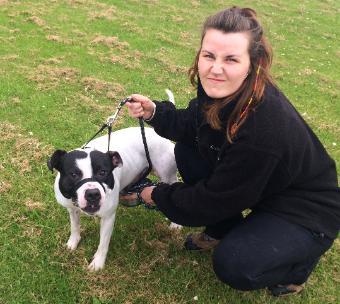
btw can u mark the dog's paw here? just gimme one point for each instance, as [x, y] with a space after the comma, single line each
[97, 263]
[73, 242]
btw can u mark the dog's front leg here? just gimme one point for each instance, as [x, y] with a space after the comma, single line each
[74, 239]
[106, 227]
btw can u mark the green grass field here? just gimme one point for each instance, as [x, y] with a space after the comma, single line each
[64, 66]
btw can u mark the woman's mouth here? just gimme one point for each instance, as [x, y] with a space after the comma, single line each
[216, 80]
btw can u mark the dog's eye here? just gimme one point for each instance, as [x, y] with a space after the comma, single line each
[102, 173]
[74, 175]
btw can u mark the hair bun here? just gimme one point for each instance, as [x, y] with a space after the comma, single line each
[248, 12]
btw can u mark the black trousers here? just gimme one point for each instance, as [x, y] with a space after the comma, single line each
[261, 250]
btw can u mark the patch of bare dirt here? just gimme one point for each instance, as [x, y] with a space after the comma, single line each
[54, 60]
[48, 77]
[307, 72]
[5, 186]
[57, 38]
[112, 42]
[75, 2]
[25, 149]
[15, 100]
[33, 205]
[31, 231]
[37, 20]
[195, 3]
[12, 101]
[107, 13]
[99, 86]
[9, 57]
[132, 27]
[126, 59]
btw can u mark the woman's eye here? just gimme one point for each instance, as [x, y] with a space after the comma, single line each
[208, 56]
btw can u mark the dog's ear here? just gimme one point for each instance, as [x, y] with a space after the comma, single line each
[54, 161]
[116, 159]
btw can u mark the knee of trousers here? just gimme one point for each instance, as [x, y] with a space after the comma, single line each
[231, 270]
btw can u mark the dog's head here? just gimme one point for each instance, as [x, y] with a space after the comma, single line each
[85, 176]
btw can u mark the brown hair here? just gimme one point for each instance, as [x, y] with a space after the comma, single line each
[239, 20]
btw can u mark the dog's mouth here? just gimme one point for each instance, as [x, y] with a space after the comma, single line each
[91, 207]
[88, 199]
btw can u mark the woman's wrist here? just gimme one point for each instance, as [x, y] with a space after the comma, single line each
[152, 113]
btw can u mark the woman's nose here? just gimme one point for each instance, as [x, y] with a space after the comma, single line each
[217, 67]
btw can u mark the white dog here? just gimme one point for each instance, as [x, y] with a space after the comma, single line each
[90, 179]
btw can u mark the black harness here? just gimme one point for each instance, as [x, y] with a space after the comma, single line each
[86, 180]
[73, 195]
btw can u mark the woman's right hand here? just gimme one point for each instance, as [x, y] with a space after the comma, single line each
[140, 106]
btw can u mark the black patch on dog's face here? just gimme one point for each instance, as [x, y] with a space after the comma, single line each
[102, 168]
[70, 174]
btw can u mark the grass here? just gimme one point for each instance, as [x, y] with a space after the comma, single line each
[64, 65]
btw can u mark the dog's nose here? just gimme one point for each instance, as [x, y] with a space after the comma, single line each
[92, 195]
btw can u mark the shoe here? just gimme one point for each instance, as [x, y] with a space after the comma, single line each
[285, 290]
[129, 199]
[200, 242]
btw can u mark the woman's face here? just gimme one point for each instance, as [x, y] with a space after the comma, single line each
[223, 62]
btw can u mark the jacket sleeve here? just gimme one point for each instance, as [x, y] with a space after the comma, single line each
[175, 124]
[236, 184]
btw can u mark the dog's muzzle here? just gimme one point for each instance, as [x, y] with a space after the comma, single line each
[91, 195]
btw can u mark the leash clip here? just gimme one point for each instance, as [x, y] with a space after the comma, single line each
[110, 120]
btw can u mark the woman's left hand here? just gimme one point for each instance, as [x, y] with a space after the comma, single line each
[146, 195]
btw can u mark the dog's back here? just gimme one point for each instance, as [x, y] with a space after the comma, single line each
[129, 144]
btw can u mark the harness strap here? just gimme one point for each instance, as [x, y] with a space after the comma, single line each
[104, 126]
[86, 180]
[109, 131]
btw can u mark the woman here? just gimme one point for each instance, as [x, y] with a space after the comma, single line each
[241, 145]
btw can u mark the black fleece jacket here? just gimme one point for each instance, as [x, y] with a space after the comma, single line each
[275, 164]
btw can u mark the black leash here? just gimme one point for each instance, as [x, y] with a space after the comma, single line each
[110, 120]
[147, 154]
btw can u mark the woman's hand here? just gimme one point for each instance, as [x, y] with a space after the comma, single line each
[146, 195]
[140, 106]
